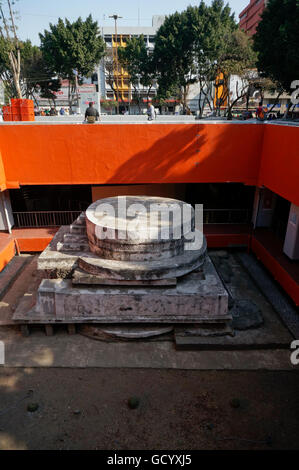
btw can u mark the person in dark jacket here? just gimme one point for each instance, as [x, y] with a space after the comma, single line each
[91, 114]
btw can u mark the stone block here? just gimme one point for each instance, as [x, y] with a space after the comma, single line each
[198, 299]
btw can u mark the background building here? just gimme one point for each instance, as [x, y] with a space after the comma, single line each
[251, 16]
[120, 77]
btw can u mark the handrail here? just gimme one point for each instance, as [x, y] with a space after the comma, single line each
[44, 218]
[57, 218]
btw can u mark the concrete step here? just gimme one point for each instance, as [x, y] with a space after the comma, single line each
[81, 220]
[77, 229]
[76, 246]
[11, 272]
[74, 238]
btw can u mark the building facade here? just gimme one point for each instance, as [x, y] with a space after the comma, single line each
[251, 16]
[114, 82]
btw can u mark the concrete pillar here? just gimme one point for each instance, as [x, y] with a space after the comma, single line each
[264, 206]
[291, 244]
[6, 216]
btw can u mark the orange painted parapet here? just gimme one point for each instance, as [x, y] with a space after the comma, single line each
[3, 184]
[33, 240]
[131, 154]
[280, 274]
[7, 251]
[280, 161]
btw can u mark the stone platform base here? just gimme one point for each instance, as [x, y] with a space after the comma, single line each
[124, 332]
[199, 297]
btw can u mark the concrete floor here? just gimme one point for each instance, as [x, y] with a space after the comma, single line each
[78, 351]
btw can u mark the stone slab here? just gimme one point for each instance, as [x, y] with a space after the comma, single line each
[176, 266]
[58, 264]
[237, 343]
[205, 331]
[139, 219]
[82, 278]
[133, 332]
[200, 298]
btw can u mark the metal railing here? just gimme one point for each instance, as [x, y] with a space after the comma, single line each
[58, 218]
[44, 218]
[226, 216]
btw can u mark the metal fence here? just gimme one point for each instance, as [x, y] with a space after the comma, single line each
[56, 219]
[226, 216]
[45, 218]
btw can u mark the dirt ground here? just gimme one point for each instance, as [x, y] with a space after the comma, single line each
[88, 409]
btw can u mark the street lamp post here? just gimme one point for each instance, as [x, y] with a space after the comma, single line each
[116, 17]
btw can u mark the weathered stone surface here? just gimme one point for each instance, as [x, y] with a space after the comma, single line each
[60, 263]
[77, 229]
[131, 280]
[212, 330]
[198, 299]
[136, 332]
[149, 232]
[246, 314]
[81, 277]
[164, 268]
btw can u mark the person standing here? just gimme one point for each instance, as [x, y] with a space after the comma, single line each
[260, 112]
[151, 112]
[91, 114]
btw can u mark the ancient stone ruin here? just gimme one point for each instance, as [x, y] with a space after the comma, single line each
[142, 268]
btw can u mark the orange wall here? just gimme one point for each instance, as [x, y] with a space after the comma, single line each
[2, 175]
[253, 154]
[7, 251]
[280, 161]
[130, 154]
[176, 191]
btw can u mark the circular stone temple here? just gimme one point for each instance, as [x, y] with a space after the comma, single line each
[143, 238]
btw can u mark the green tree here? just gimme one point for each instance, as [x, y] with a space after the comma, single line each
[138, 61]
[238, 59]
[174, 54]
[277, 42]
[35, 75]
[197, 45]
[215, 28]
[73, 50]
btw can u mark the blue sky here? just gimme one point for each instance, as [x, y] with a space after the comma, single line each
[35, 15]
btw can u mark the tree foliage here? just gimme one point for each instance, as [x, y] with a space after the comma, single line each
[198, 45]
[174, 53]
[138, 61]
[277, 42]
[35, 75]
[73, 50]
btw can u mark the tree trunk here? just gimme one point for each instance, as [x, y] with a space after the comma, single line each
[287, 110]
[70, 97]
[276, 101]
[247, 98]
[15, 65]
[185, 93]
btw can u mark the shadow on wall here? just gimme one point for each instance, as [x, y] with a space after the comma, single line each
[196, 154]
